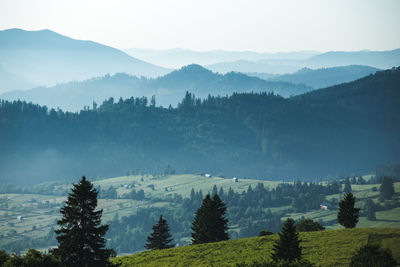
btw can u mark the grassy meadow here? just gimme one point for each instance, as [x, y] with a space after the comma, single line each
[324, 248]
[40, 211]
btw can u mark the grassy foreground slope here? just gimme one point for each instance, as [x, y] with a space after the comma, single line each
[324, 248]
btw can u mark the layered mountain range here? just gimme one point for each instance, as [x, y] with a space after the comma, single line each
[347, 128]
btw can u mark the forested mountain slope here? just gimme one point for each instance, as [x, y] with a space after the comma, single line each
[347, 128]
[377, 59]
[169, 89]
[320, 78]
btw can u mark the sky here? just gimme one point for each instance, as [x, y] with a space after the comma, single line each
[257, 25]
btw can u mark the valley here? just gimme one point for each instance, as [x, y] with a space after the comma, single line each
[27, 216]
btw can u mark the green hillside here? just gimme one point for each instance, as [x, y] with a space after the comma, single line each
[179, 184]
[41, 210]
[324, 248]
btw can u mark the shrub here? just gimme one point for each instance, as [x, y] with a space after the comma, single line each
[372, 255]
[308, 225]
[264, 233]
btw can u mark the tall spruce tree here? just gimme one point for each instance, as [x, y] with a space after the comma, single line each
[347, 186]
[386, 190]
[209, 223]
[287, 248]
[221, 223]
[370, 206]
[80, 236]
[160, 238]
[348, 214]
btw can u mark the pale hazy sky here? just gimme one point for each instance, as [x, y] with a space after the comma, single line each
[259, 25]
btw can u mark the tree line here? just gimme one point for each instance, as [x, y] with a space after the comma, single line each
[310, 135]
[82, 242]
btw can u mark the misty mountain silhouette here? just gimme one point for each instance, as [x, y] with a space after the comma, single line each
[319, 78]
[168, 89]
[376, 59]
[347, 128]
[47, 58]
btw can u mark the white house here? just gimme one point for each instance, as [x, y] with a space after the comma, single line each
[207, 175]
[324, 206]
[235, 180]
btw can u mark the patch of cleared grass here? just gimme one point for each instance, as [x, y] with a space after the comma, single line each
[325, 248]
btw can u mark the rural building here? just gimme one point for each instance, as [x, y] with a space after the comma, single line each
[207, 175]
[324, 206]
[235, 180]
[20, 218]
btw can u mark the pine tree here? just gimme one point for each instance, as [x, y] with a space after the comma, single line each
[214, 190]
[370, 206]
[386, 190]
[80, 236]
[221, 223]
[202, 224]
[287, 248]
[160, 238]
[348, 215]
[209, 223]
[347, 186]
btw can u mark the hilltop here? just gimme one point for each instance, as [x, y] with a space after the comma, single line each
[324, 248]
[46, 58]
[168, 89]
[376, 59]
[178, 57]
[320, 78]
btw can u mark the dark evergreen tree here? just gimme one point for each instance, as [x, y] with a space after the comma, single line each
[221, 192]
[192, 194]
[202, 224]
[160, 238]
[370, 206]
[80, 236]
[347, 186]
[3, 257]
[386, 191]
[210, 224]
[372, 255]
[214, 190]
[220, 222]
[348, 214]
[287, 248]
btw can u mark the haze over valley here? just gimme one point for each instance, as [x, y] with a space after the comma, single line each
[211, 133]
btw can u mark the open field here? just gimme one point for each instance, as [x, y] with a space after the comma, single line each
[324, 248]
[386, 218]
[179, 184]
[40, 212]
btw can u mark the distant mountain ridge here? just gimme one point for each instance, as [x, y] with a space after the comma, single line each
[178, 57]
[320, 78]
[47, 58]
[376, 59]
[168, 89]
